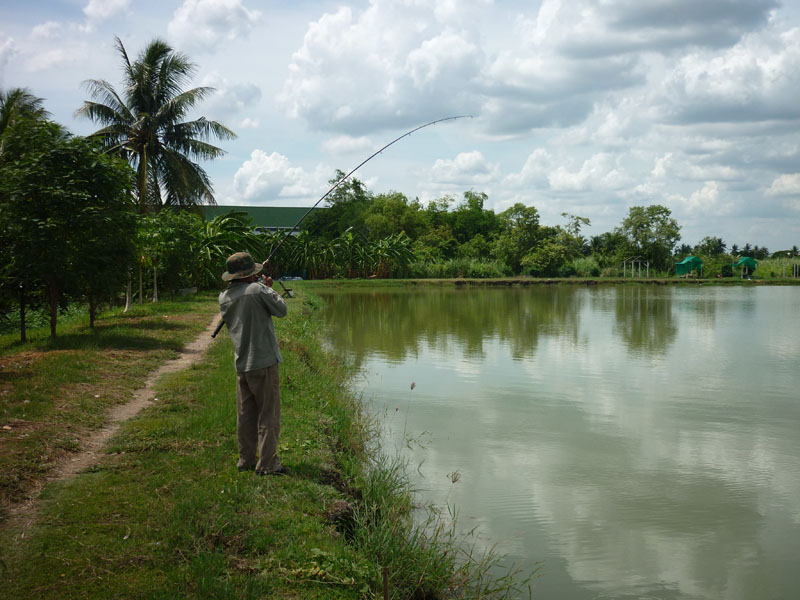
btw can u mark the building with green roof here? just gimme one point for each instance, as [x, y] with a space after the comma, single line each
[264, 218]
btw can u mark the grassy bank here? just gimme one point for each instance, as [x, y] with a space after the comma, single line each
[53, 392]
[165, 513]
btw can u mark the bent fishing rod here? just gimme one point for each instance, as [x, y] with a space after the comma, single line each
[338, 183]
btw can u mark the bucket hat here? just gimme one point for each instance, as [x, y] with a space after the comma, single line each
[240, 265]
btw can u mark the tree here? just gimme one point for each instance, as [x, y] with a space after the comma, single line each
[652, 233]
[392, 213]
[470, 218]
[548, 258]
[520, 233]
[609, 248]
[170, 239]
[437, 212]
[145, 125]
[346, 209]
[107, 225]
[15, 104]
[710, 246]
[578, 244]
[63, 207]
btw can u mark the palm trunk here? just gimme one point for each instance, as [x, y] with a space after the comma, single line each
[92, 309]
[155, 282]
[142, 183]
[52, 296]
[128, 293]
[23, 335]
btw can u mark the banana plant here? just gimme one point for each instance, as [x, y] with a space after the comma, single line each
[221, 237]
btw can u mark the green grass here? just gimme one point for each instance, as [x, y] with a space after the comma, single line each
[52, 392]
[166, 514]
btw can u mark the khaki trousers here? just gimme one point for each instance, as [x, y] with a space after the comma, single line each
[258, 418]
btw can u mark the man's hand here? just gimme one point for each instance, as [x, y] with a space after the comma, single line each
[266, 280]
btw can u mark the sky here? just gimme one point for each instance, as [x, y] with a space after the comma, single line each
[585, 107]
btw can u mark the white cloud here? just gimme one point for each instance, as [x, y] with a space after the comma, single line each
[662, 165]
[7, 50]
[468, 169]
[678, 166]
[359, 71]
[600, 172]
[459, 11]
[535, 170]
[446, 56]
[585, 28]
[202, 25]
[100, 10]
[249, 123]
[72, 52]
[755, 80]
[51, 30]
[345, 144]
[785, 185]
[229, 97]
[698, 172]
[387, 66]
[706, 201]
[268, 177]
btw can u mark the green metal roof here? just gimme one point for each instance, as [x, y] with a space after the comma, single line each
[279, 217]
[688, 264]
[746, 261]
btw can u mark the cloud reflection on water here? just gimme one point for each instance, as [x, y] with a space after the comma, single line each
[634, 438]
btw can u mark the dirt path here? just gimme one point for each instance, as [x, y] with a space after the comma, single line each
[23, 515]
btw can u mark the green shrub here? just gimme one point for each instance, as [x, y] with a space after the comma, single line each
[586, 267]
[458, 267]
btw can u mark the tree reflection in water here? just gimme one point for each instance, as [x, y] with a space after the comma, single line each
[396, 324]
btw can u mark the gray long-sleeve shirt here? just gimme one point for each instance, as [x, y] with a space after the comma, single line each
[247, 309]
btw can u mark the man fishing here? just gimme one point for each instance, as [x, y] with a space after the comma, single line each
[247, 308]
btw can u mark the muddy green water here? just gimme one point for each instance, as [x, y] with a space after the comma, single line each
[639, 442]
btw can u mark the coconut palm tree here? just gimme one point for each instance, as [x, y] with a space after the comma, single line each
[145, 124]
[17, 103]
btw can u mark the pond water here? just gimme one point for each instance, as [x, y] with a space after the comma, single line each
[633, 441]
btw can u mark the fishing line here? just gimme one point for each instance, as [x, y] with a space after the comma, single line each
[361, 164]
[342, 180]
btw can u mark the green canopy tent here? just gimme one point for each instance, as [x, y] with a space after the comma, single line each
[748, 265]
[688, 264]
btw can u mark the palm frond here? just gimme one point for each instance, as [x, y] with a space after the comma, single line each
[144, 122]
[19, 102]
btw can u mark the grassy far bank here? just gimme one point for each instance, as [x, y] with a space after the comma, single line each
[165, 513]
[322, 284]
